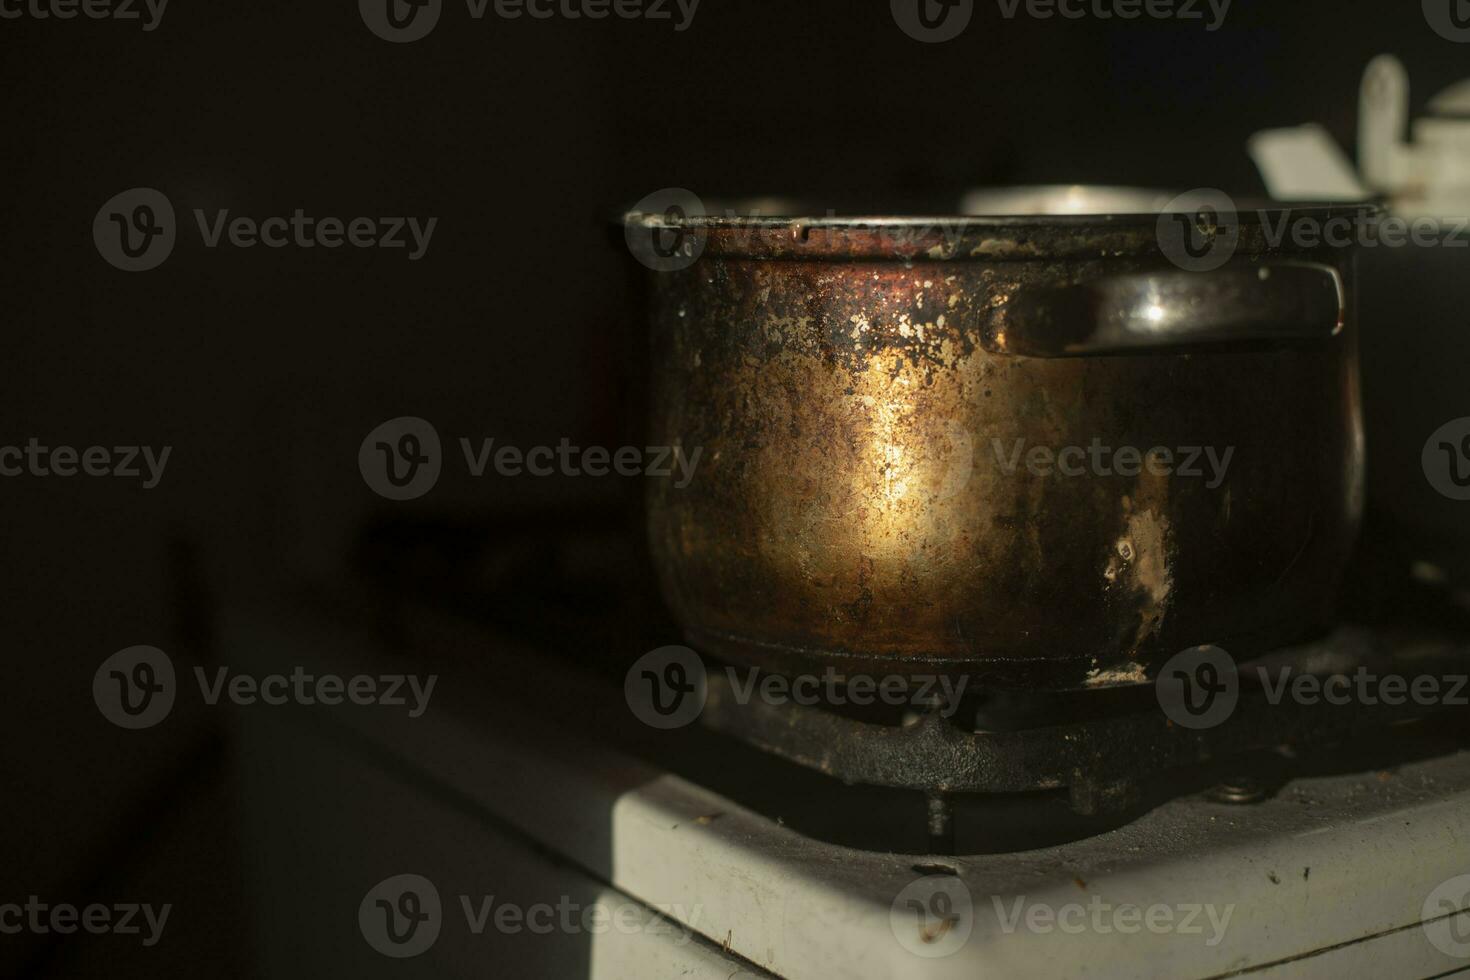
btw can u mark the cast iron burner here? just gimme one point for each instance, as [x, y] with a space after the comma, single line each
[1101, 760]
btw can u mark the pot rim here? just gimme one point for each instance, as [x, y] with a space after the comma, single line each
[749, 228]
[1064, 205]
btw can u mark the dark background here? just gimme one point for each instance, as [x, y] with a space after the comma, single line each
[264, 369]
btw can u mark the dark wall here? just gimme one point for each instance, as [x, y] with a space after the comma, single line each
[263, 369]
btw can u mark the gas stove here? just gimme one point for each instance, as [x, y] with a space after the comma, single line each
[1100, 747]
[1088, 834]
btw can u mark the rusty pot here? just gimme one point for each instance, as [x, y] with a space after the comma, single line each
[959, 444]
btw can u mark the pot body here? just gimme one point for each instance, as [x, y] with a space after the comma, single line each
[903, 470]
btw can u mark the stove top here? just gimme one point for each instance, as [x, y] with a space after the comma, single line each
[1333, 862]
[1137, 830]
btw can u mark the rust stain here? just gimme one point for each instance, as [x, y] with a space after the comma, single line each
[851, 502]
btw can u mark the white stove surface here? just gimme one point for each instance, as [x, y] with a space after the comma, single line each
[1357, 874]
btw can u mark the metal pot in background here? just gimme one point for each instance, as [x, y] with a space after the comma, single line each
[1415, 309]
[901, 421]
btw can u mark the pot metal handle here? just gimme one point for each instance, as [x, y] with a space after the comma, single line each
[1172, 311]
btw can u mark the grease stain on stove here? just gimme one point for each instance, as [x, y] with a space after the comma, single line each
[1132, 673]
[701, 821]
[929, 935]
[936, 869]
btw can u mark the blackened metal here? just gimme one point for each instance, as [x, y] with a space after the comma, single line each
[1239, 790]
[868, 498]
[1100, 761]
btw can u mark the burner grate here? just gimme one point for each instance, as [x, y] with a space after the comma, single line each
[1101, 762]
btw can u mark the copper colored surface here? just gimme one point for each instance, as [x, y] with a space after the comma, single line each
[853, 505]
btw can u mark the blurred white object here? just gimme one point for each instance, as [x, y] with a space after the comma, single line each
[1383, 119]
[1086, 199]
[1423, 169]
[1427, 175]
[1303, 163]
